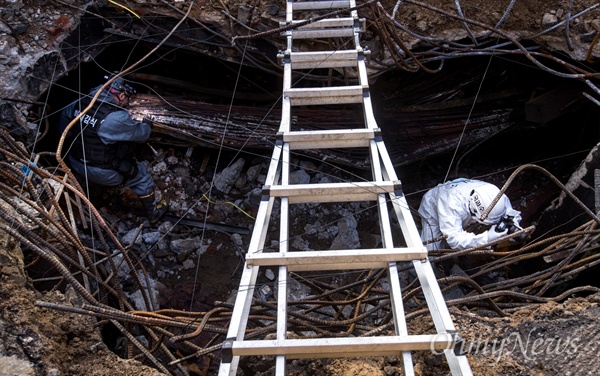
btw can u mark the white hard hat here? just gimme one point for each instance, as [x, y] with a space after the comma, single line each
[481, 198]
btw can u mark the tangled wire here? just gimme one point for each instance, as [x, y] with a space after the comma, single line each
[45, 214]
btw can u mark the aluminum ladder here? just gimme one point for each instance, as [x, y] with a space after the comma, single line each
[384, 190]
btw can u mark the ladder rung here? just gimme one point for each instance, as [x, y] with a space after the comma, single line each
[323, 59]
[327, 22]
[321, 33]
[314, 5]
[329, 139]
[332, 192]
[336, 259]
[338, 347]
[325, 95]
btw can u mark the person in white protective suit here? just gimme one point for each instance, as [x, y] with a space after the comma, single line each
[449, 208]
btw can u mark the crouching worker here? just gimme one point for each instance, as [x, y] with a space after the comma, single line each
[98, 147]
[449, 208]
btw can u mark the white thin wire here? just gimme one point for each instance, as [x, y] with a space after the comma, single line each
[209, 194]
[468, 117]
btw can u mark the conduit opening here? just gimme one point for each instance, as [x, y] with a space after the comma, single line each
[409, 107]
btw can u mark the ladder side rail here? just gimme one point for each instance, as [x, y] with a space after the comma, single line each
[289, 13]
[243, 300]
[400, 205]
[286, 106]
[459, 365]
[257, 239]
[237, 324]
[285, 126]
[370, 121]
[359, 25]
[280, 361]
[352, 4]
[386, 237]
[441, 316]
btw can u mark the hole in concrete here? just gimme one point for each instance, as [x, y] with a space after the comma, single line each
[509, 83]
[524, 142]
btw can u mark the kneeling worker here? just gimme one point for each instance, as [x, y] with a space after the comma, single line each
[98, 148]
[447, 209]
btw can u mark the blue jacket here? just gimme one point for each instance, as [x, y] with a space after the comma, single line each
[116, 127]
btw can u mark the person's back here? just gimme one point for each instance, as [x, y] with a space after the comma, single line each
[447, 209]
[98, 147]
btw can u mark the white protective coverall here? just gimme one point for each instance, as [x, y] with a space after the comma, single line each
[444, 210]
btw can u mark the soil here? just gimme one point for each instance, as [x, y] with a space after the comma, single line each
[543, 339]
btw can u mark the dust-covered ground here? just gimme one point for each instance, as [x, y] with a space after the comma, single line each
[548, 339]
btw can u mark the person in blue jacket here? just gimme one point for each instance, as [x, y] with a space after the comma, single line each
[98, 147]
[449, 208]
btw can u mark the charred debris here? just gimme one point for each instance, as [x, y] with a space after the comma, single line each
[507, 109]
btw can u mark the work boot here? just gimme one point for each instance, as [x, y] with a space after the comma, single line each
[154, 210]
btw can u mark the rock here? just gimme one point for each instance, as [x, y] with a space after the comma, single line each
[11, 365]
[227, 178]
[6, 44]
[266, 292]
[32, 344]
[549, 20]
[184, 246]
[347, 237]
[123, 269]
[299, 177]
[253, 172]
[307, 165]
[159, 168]
[188, 264]
[456, 270]
[422, 25]
[161, 249]
[299, 243]
[244, 14]
[272, 10]
[151, 237]
[172, 160]
[253, 197]
[240, 182]
[129, 238]
[296, 290]
[270, 275]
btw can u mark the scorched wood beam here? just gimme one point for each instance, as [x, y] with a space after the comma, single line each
[411, 134]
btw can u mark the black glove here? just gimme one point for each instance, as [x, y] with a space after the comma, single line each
[147, 120]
